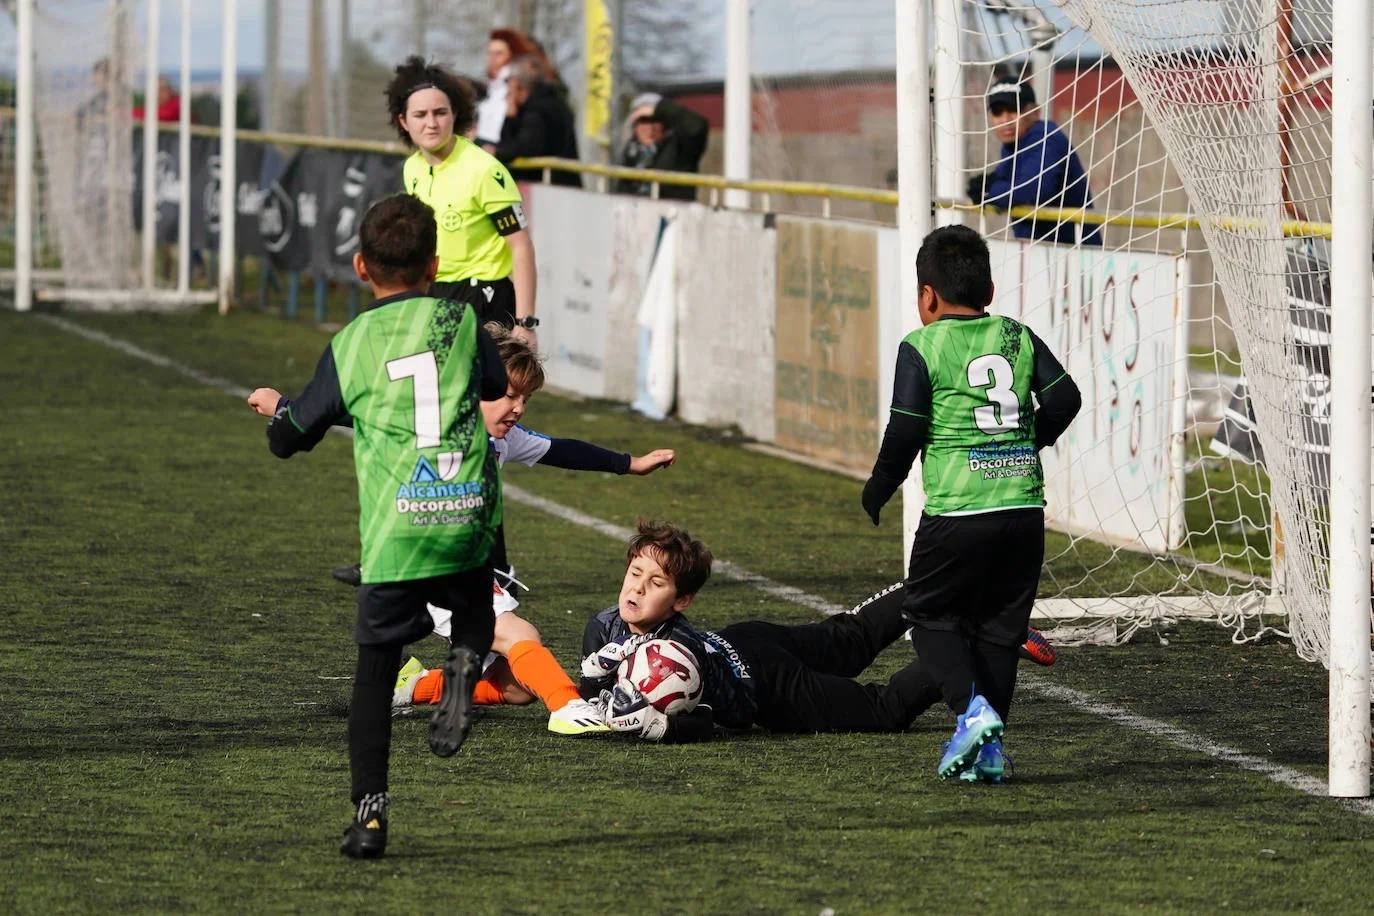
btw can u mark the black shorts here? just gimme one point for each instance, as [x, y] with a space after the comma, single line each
[396, 613]
[494, 300]
[977, 574]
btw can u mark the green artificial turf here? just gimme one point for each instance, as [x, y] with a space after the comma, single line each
[176, 658]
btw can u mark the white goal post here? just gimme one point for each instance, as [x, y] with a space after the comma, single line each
[76, 63]
[1229, 110]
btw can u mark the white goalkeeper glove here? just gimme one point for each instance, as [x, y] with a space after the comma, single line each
[629, 712]
[607, 659]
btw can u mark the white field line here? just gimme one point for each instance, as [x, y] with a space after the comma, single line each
[1182, 738]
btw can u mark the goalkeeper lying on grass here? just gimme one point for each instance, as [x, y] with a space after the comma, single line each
[796, 679]
[519, 668]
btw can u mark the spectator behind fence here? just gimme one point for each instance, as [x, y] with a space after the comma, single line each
[663, 135]
[538, 123]
[168, 103]
[503, 46]
[1038, 166]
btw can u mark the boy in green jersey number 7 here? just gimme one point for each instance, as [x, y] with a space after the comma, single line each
[962, 397]
[408, 375]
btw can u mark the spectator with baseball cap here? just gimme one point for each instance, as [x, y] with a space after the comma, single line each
[662, 135]
[1038, 166]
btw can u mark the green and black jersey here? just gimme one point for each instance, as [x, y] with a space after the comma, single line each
[962, 397]
[475, 203]
[408, 374]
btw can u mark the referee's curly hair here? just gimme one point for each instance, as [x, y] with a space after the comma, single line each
[413, 74]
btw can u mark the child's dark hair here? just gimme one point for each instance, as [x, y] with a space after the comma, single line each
[524, 368]
[954, 262]
[415, 74]
[686, 560]
[397, 240]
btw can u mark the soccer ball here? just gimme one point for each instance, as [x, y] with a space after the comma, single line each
[666, 673]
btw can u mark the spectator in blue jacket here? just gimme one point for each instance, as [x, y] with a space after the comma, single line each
[1038, 167]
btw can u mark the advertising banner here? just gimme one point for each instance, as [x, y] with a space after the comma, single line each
[826, 341]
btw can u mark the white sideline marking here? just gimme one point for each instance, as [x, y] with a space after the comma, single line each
[1275, 772]
[123, 346]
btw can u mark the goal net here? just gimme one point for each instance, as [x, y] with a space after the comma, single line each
[93, 79]
[1195, 481]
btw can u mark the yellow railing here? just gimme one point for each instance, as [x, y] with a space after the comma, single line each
[825, 192]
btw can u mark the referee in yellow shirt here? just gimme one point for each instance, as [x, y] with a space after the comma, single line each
[486, 257]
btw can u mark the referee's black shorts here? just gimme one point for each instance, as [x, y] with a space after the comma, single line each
[493, 300]
[976, 574]
[391, 613]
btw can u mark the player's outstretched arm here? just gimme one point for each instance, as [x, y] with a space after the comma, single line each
[264, 401]
[297, 426]
[647, 464]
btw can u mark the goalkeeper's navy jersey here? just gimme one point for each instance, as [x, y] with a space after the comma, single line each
[728, 683]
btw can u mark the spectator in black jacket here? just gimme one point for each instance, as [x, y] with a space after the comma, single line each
[663, 135]
[538, 123]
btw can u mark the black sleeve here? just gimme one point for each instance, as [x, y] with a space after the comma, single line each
[690, 131]
[1059, 397]
[299, 425]
[526, 134]
[686, 727]
[576, 455]
[907, 427]
[493, 370]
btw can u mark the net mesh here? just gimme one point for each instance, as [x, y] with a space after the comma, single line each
[1220, 110]
[87, 61]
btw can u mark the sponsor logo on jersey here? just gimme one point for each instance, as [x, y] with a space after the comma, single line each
[429, 498]
[451, 220]
[998, 461]
[715, 643]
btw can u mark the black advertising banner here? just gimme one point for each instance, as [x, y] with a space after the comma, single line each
[300, 211]
[1309, 352]
[282, 227]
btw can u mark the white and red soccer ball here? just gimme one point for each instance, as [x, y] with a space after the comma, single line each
[666, 673]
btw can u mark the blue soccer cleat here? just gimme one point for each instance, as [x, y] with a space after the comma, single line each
[991, 765]
[978, 725]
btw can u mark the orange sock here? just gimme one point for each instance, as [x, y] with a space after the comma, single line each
[428, 687]
[487, 693]
[535, 667]
[431, 685]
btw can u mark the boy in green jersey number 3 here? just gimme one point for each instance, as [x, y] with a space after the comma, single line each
[962, 398]
[407, 375]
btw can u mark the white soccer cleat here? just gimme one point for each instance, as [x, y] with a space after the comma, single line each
[403, 697]
[578, 718]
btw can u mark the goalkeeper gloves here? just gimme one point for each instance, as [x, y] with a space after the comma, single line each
[629, 712]
[607, 659]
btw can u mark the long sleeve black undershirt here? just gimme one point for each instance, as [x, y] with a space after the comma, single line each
[299, 425]
[576, 455]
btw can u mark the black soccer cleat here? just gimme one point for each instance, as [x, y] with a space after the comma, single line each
[453, 717]
[365, 838]
[349, 575]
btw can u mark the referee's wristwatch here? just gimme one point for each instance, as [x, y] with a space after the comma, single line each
[529, 321]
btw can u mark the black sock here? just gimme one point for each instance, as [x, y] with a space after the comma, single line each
[369, 718]
[948, 661]
[996, 668]
[914, 690]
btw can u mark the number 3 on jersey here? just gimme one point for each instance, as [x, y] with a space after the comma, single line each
[1003, 412]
